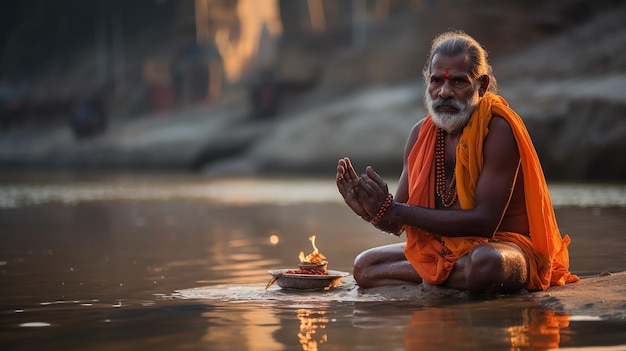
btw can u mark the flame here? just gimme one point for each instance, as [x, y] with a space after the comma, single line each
[315, 256]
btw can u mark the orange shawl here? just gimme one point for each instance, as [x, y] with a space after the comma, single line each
[546, 249]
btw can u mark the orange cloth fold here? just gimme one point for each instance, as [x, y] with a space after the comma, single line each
[433, 256]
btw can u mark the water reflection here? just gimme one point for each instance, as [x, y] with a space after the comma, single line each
[312, 325]
[541, 329]
[504, 324]
[513, 329]
[266, 327]
[233, 329]
[514, 323]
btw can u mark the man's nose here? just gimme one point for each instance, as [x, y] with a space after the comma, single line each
[446, 90]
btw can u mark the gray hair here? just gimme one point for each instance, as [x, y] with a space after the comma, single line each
[453, 43]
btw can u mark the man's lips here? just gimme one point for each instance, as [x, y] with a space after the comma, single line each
[449, 109]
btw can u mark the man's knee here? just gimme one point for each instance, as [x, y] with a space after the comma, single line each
[496, 268]
[372, 265]
[363, 259]
[359, 271]
[485, 269]
[365, 265]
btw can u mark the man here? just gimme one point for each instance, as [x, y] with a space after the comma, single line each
[472, 197]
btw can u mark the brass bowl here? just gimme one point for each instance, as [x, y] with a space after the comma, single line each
[291, 281]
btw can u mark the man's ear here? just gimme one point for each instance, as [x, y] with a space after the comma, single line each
[484, 85]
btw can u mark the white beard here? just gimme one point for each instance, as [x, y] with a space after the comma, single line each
[451, 122]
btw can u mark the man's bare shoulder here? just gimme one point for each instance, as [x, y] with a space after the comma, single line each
[500, 135]
[417, 126]
[499, 122]
[415, 131]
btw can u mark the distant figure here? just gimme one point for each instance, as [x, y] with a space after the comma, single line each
[264, 95]
[89, 116]
[196, 72]
[472, 198]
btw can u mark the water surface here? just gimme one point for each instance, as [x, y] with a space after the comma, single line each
[113, 261]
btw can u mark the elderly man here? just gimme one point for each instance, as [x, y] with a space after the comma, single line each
[472, 198]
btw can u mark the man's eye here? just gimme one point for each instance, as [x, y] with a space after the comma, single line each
[460, 82]
[436, 80]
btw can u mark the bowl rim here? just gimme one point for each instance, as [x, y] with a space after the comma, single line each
[332, 274]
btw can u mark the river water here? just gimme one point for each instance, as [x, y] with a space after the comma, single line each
[134, 262]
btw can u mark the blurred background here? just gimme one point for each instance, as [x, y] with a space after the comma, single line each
[265, 87]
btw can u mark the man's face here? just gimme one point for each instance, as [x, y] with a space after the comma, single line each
[452, 94]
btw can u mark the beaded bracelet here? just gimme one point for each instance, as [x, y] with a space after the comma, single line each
[383, 209]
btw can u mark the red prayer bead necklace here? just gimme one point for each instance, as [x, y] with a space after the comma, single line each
[448, 195]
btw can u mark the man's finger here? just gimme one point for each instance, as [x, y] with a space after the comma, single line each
[341, 186]
[350, 169]
[367, 187]
[377, 190]
[375, 177]
[341, 170]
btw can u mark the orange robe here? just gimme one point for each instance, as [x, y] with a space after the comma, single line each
[545, 249]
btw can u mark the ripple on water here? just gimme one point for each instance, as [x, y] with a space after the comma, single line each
[346, 291]
[35, 325]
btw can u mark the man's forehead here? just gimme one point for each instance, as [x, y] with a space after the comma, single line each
[444, 64]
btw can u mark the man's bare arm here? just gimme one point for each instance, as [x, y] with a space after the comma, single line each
[402, 192]
[501, 158]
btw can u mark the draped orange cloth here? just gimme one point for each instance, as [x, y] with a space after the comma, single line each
[433, 256]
